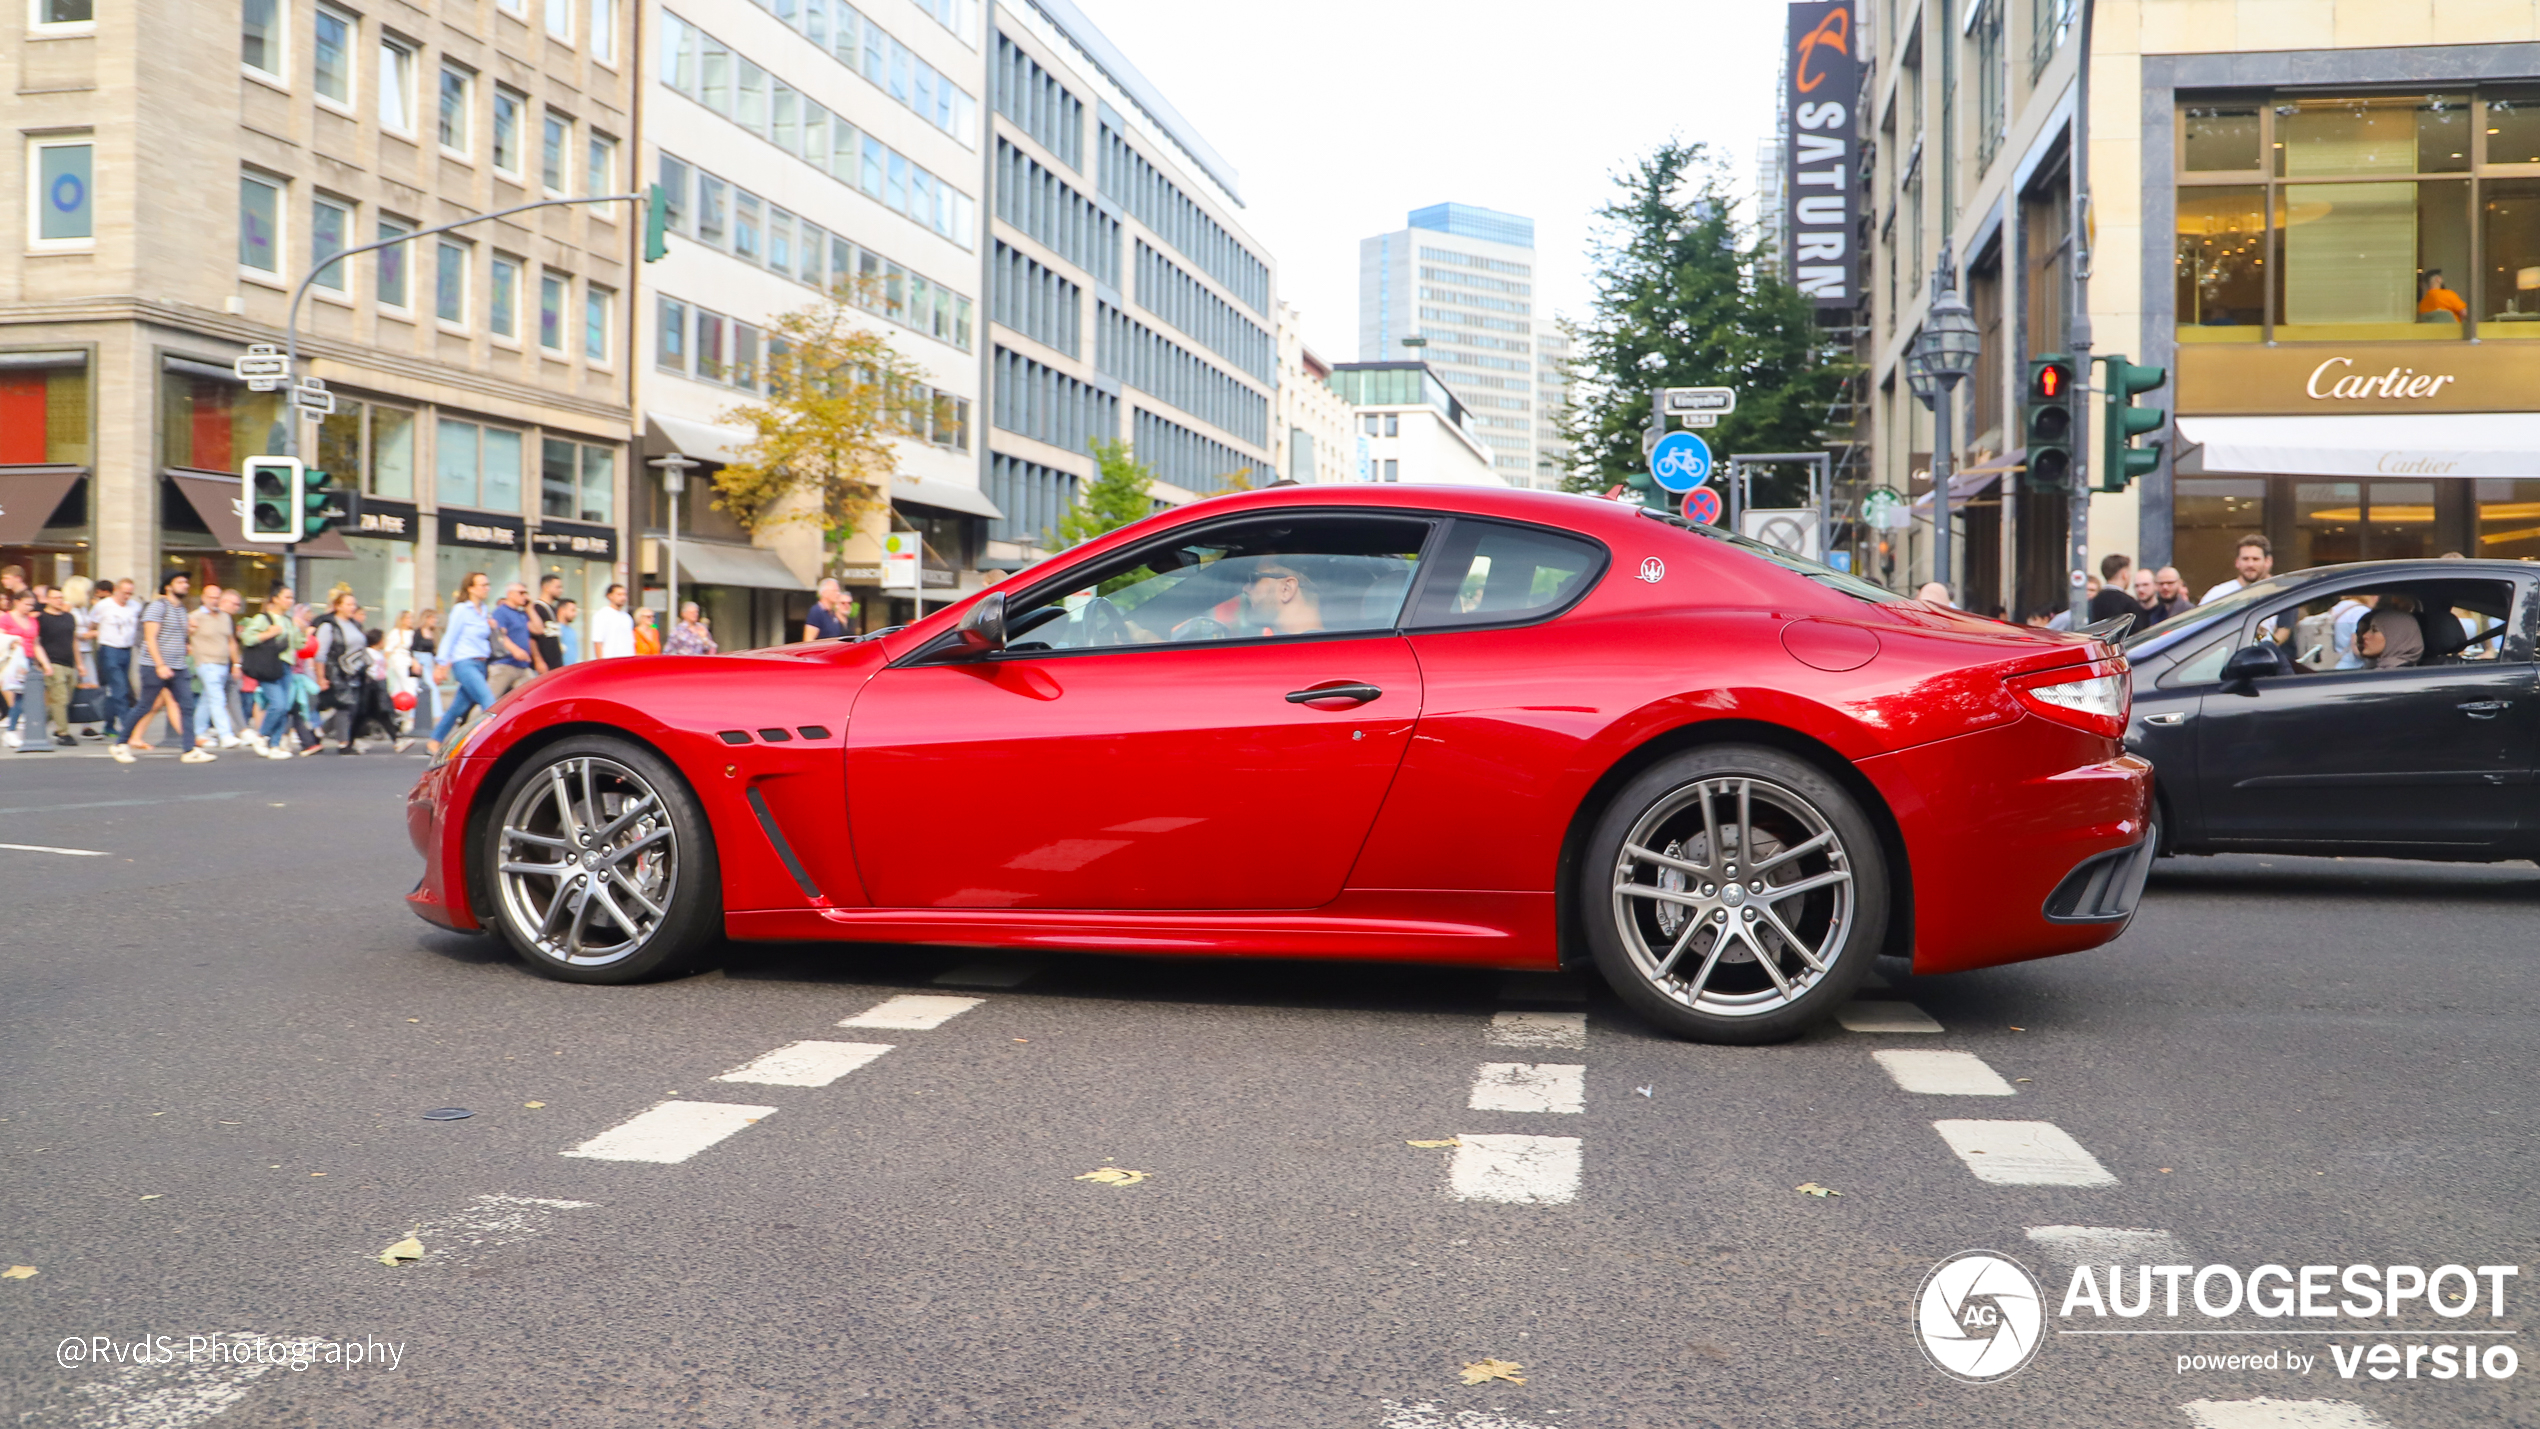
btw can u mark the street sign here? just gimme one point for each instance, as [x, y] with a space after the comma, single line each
[313, 399]
[1684, 401]
[1680, 462]
[1702, 419]
[1794, 529]
[261, 360]
[267, 384]
[900, 560]
[1702, 506]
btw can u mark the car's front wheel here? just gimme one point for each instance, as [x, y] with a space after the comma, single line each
[601, 864]
[1734, 894]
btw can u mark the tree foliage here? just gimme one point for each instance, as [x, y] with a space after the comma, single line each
[1687, 297]
[1116, 496]
[838, 395]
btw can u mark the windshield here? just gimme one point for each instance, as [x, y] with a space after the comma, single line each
[2230, 605]
[1823, 575]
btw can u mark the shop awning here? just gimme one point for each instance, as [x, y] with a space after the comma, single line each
[712, 564]
[943, 496]
[2411, 444]
[703, 440]
[28, 496]
[1962, 485]
[216, 499]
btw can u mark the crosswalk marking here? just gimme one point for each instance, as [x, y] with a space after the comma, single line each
[1942, 1074]
[669, 1132]
[1529, 1086]
[1003, 974]
[2106, 1245]
[1884, 1016]
[2265, 1413]
[914, 1012]
[1429, 1415]
[2023, 1153]
[1538, 1029]
[1518, 1170]
[490, 1224]
[806, 1064]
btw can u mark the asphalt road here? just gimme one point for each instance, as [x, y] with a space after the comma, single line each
[219, 1037]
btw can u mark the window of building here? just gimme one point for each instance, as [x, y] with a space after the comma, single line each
[554, 147]
[508, 109]
[61, 207]
[330, 229]
[397, 87]
[751, 110]
[748, 225]
[560, 19]
[604, 31]
[260, 47]
[670, 335]
[780, 242]
[391, 469]
[332, 50]
[559, 480]
[449, 287]
[597, 304]
[714, 347]
[502, 299]
[477, 466]
[392, 265]
[456, 88]
[61, 15]
[599, 175]
[260, 225]
[212, 424]
[599, 484]
[553, 289]
[714, 210]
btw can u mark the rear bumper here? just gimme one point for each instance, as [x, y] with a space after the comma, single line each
[1996, 822]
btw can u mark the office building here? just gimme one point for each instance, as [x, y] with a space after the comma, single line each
[1315, 427]
[1411, 428]
[1461, 279]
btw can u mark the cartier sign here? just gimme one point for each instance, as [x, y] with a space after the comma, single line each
[2246, 379]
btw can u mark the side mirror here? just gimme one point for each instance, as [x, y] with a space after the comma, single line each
[2247, 665]
[982, 628]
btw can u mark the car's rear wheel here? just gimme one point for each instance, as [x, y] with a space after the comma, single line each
[1734, 894]
[601, 863]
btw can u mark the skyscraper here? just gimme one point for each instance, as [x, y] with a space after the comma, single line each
[1462, 279]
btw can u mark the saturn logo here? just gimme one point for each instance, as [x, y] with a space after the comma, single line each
[1653, 570]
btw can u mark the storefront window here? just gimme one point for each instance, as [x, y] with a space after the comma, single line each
[2372, 136]
[2381, 261]
[559, 480]
[2513, 127]
[2222, 256]
[44, 415]
[2213, 513]
[2328, 524]
[382, 575]
[478, 466]
[2509, 519]
[599, 485]
[2219, 138]
[214, 424]
[339, 443]
[392, 454]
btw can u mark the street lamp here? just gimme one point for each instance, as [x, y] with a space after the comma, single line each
[1943, 352]
[674, 470]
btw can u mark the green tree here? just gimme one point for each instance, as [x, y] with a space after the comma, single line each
[1116, 496]
[1687, 297]
[837, 396]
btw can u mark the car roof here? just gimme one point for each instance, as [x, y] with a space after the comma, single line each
[2420, 567]
[1554, 508]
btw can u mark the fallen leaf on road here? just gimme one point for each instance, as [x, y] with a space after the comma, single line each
[1811, 1188]
[405, 1250]
[1651, 1092]
[1482, 1371]
[1450, 1141]
[2019, 1029]
[2023, 1079]
[414, 1019]
[533, 1106]
[18, 1272]
[1114, 1176]
[154, 1196]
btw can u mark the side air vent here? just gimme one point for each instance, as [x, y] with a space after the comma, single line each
[814, 731]
[2104, 888]
[733, 736]
[776, 736]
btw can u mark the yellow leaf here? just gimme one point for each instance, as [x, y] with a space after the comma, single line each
[1480, 1371]
[18, 1272]
[533, 1106]
[1811, 1188]
[153, 1197]
[1114, 1176]
[1450, 1141]
[403, 1251]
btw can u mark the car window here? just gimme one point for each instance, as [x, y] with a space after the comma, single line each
[1497, 573]
[2232, 605]
[2205, 666]
[1283, 577]
[2393, 625]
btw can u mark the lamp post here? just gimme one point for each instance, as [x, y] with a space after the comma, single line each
[674, 470]
[1944, 352]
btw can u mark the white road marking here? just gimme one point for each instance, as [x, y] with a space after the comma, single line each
[2264, 1413]
[1942, 1074]
[1529, 1086]
[1538, 1029]
[1427, 1415]
[48, 848]
[1520, 1170]
[490, 1224]
[1542, 987]
[183, 1393]
[670, 1132]
[2023, 1153]
[806, 1064]
[1884, 1017]
[2106, 1245]
[914, 1012]
[987, 975]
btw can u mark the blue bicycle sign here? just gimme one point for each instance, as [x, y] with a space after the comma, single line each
[1680, 462]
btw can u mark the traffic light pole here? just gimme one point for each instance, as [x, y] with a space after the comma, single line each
[2078, 499]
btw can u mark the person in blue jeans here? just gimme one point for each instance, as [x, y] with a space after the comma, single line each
[465, 648]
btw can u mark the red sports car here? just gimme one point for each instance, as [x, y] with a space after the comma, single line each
[1483, 728]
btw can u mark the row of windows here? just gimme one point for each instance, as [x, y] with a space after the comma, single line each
[725, 216]
[1183, 457]
[776, 112]
[1033, 497]
[509, 283]
[1045, 404]
[1474, 260]
[1472, 339]
[1475, 280]
[264, 49]
[1182, 300]
[1034, 300]
[698, 342]
[1056, 216]
[1164, 369]
[1034, 99]
[1442, 315]
[1128, 180]
[1511, 404]
[1475, 359]
[693, 63]
[1450, 295]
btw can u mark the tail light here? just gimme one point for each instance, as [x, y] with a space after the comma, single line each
[2096, 697]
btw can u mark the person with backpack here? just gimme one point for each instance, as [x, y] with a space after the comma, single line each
[265, 646]
[343, 666]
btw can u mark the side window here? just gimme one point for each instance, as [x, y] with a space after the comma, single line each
[2396, 626]
[1277, 577]
[2205, 666]
[1490, 573]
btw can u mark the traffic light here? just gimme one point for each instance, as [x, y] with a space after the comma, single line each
[2046, 419]
[272, 499]
[656, 224]
[2120, 462]
[322, 504]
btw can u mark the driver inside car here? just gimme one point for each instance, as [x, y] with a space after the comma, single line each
[1275, 599]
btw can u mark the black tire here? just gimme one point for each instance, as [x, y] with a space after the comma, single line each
[1741, 937]
[637, 856]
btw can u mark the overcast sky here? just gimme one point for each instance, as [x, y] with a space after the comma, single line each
[1341, 116]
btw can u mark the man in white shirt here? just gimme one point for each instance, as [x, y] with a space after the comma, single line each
[2255, 561]
[118, 621]
[612, 629]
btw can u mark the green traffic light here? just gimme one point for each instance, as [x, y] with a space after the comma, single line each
[2120, 461]
[656, 224]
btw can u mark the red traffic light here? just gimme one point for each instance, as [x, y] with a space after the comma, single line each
[2052, 379]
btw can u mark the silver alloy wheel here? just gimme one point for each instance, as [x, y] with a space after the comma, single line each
[587, 861]
[1744, 882]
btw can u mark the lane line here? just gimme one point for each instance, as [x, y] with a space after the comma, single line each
[187, 1391]
[2023, 1153]
[1541, 987]
[1529, 1086]
[2265, 1413]
[2106, 1245]
[1517, 1170]
[1538, 1029]
[670, 1132]
[1942, 1074]
[1884, 1017]
[123, 803]
[47, 848]
[805, 1064]
[1428, 1415]
[987, 975]
[914, 1012]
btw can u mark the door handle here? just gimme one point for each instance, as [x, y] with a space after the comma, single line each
[2483, 709]
[2173, 717]
[1355, 694]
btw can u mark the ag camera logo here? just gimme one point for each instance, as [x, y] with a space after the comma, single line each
[1979, 1317]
